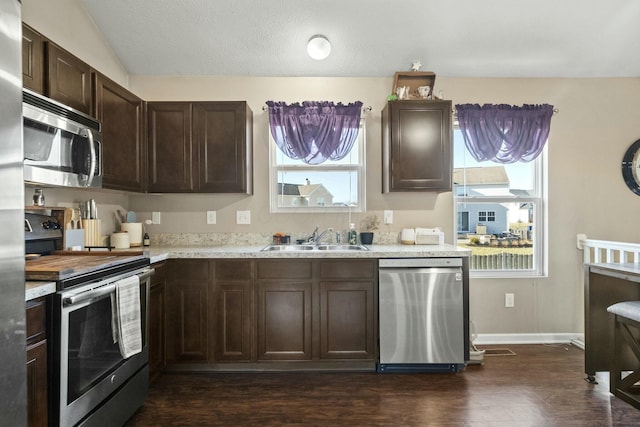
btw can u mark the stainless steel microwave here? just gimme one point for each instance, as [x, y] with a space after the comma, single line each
[62, 146]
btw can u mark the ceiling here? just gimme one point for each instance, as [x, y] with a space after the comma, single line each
[374, 38]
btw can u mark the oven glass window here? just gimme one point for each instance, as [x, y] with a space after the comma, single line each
[92, 354]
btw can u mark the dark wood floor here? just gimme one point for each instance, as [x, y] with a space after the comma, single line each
[542, 385]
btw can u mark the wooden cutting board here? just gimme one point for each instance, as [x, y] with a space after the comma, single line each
[60, 267]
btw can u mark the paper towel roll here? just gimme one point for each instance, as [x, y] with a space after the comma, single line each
[135, 232]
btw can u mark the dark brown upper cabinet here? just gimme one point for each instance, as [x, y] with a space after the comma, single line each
[201, 147]
[32, 59]
[170, 147]
[417, 149]
[222, 133]
[68, 78]
[122, 116]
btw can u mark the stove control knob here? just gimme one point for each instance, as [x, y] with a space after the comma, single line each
[50, 225]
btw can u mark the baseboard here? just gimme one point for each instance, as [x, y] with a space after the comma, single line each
[529, 338]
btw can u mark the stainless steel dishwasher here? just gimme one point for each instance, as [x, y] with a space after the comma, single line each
[422, 320]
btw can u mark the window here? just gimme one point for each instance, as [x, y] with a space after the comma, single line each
[500, 210]
[484, 216]
[333, 186]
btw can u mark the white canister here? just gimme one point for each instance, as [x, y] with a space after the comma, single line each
[120, 240]
[408, 236]
[135, 232]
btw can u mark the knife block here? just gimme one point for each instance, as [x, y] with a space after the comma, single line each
[92, 236]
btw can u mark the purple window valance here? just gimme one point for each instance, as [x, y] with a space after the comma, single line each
[314, 131]
[504, 133]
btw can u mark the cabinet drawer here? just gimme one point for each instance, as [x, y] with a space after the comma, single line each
[289, 269]
[233, 270]
[348, 269]
[189, 270]
[36, 320]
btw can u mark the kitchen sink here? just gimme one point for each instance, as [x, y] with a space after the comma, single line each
[310, 247]
[289, 248]
[342, 248]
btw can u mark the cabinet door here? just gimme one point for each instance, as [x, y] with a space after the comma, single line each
[348, 309]
[68, 79]
[37, 384]
[36, 319]
[347, 324]
[171, 154]
[187, 317]
[417, 138]
[284, 310]
[121, 115]
[233, 294]
[222, 133]
[32, 59]
[156, 319]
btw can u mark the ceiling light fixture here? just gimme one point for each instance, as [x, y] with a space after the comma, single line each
[318, 47]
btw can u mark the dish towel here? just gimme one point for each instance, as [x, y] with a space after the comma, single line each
[127, 331]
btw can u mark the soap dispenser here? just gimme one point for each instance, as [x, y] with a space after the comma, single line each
[353, 234]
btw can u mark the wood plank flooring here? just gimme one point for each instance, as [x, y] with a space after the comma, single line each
[542, 385]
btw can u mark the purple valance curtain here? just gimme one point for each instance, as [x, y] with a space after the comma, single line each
[504, 133]
[315, 131]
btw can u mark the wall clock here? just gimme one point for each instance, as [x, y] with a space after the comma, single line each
[631, 167]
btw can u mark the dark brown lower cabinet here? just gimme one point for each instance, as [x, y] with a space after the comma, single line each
[233, 311]
[348, 309]
[156, 319]
[187, 321]
[37, 362]
[269, 311]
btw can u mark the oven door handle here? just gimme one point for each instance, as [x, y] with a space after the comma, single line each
[99, 292]
[89, 295]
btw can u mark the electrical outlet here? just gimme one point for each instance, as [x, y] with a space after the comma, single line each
[211, 217]
[155, 217]
[243, 217]
[509, 300]
[388, 217]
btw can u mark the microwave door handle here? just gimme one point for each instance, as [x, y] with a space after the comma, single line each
[92, 151]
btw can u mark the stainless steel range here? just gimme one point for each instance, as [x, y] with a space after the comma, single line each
[96, 379]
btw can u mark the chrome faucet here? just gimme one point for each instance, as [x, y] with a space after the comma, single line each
[315, 237]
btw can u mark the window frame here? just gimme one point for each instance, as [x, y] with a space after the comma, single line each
[358, 168]
[540, 219]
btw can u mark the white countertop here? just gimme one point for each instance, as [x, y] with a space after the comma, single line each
[37, 289]
[160, 253]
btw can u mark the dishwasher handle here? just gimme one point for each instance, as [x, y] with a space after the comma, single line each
[419, 262]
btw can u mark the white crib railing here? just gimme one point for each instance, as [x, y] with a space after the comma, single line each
[604, 251]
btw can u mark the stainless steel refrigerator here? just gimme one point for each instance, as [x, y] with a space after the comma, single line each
[13, 381]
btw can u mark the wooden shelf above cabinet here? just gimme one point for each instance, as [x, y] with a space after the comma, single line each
[414, 79]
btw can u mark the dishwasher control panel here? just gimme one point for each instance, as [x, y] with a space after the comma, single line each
[419, 262]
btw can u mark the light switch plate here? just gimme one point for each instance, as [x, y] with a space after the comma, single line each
[243, 217]
[388, 217]
[155, 217]
[211, 217]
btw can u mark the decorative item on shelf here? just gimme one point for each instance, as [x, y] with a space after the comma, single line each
[418, 85]
[369, 224]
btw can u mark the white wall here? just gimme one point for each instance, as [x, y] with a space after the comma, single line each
[598, 120]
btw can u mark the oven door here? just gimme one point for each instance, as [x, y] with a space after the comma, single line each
[91, 367]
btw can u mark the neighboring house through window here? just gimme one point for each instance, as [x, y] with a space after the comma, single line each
[500, 210]
[332, 186]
